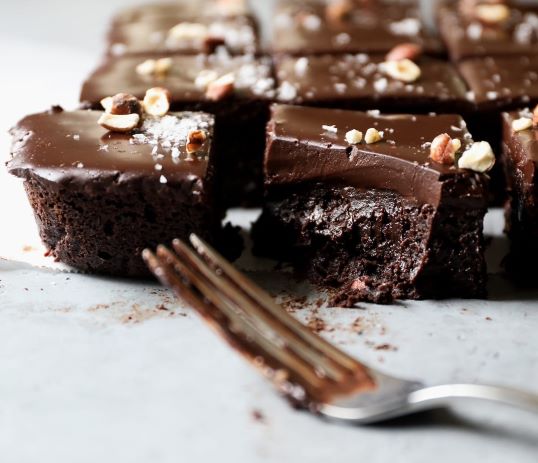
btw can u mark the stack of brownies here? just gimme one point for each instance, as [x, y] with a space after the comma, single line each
[379, 159]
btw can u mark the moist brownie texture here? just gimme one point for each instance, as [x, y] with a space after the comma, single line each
[469, 31]
[362, 81]
[100, 198]
[306, 27]
[241, 114]
[376, 221]
[520, 150]
[184, 35]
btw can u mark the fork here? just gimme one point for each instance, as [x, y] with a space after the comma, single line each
[308, 370]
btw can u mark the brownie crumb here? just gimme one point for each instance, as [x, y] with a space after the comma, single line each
[386, 347]
[258, 416]
[317, 325]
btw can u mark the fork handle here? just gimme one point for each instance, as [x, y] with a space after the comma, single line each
[441, 395]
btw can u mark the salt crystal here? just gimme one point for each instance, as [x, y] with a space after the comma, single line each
[330, 128]
[286, 91]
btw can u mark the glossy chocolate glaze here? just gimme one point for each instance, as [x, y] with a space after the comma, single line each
[302, 27]
[521, 148]
[301, 150]
[466, 37]
[356, 81]
[253, 77]
[71, 148]
[501, 81]
[238, 32]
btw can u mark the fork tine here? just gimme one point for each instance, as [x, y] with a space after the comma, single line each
[168, 265]
[322, 364]
[264, 299]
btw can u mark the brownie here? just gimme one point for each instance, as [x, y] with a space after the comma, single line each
[467, 35]
[501, 82]
[308, 27]
[241, 116]
[360, 81]
[184, 35]
[498, 83]
[520, 151]
[180, 8]
[378, 221]
[100, 197]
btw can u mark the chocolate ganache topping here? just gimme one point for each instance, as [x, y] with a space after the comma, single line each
[309, 145]
[70, 147]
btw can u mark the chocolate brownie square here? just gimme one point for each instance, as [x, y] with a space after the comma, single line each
[180, 8]
[394, 214]
[368, 81]
[471, 29]
[498, 83]
[101, 197]
[241, 111]
[184, 35]
[349, 26]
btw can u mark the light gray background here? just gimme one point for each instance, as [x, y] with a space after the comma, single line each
[92, 371]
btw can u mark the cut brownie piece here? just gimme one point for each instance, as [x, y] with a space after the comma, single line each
[351, 26]
[520, 143]
[471, 29]
[101, 197]
[362, 81]
[241, 109]
[184, 35]
[376, 220]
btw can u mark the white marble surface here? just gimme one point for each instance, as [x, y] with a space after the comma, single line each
[94, 370]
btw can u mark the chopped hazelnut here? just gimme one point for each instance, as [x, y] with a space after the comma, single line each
[373, 136]
[157, 101]
[354, 137]
[152, 67]
[205, 77]
[443, 150]
[106, 103]
[146, 68]
[478, 157]
[404, 70]
[163, 66]
[410, 51]
[187, 31]
[119, 122]
[195, 140]
[124, 103]
[338, 10]
[491, 14]
[221, 88]
[535, 116]
[330, 128]
[456, 143]
[523, 123]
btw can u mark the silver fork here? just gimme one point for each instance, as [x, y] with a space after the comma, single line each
[307, 369]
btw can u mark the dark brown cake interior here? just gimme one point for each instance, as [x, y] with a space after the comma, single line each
[378, 221]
